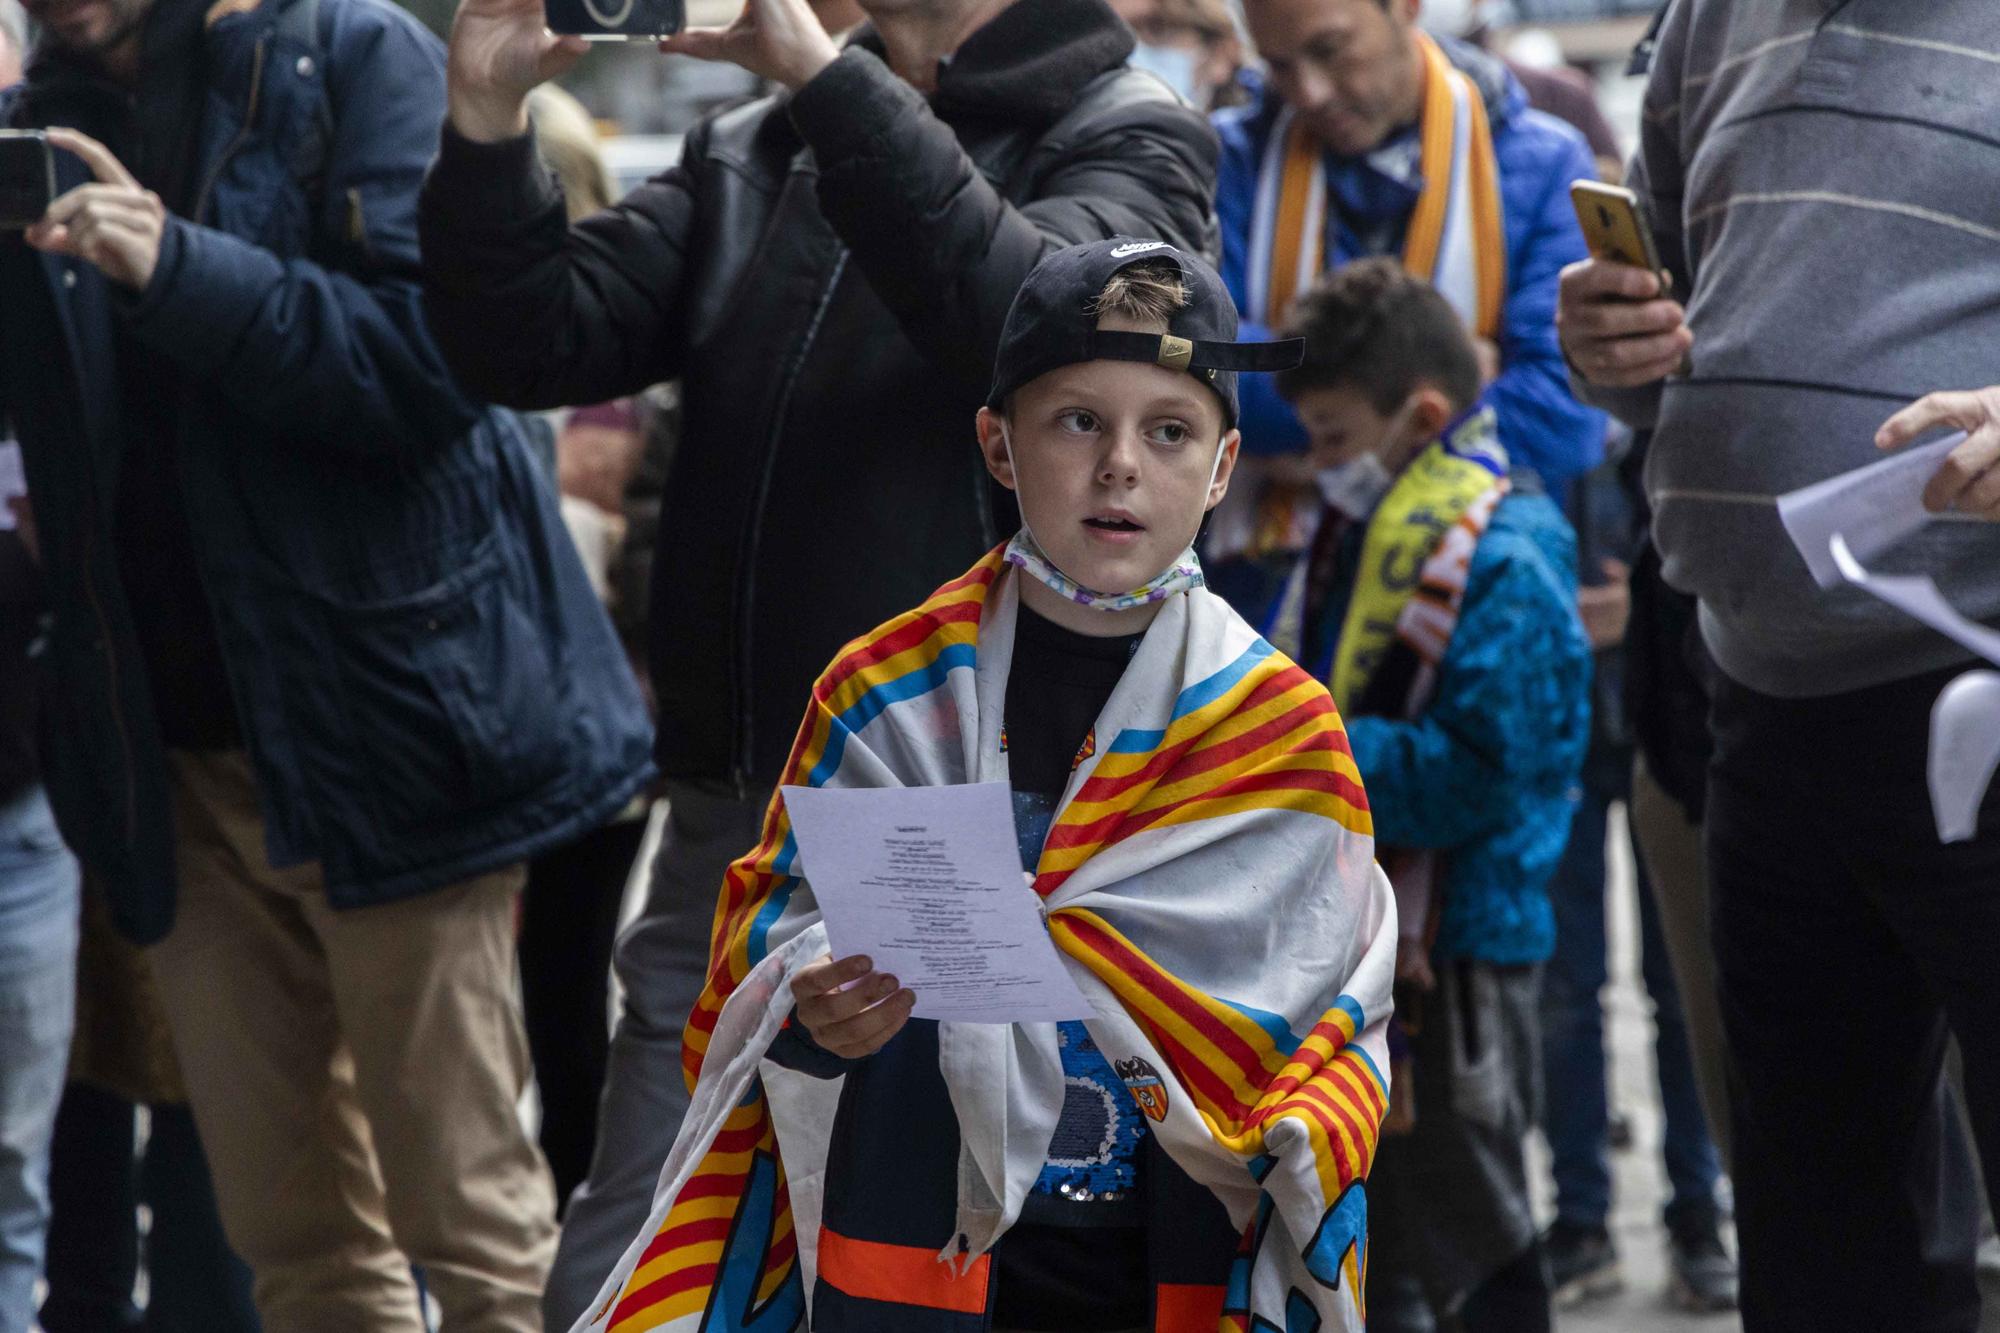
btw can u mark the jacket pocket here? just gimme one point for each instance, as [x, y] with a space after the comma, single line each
[1481, 1083]
[455, 701]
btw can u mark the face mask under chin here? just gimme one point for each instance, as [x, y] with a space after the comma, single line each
[1026, 554]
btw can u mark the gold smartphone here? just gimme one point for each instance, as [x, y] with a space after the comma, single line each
[1613, 226]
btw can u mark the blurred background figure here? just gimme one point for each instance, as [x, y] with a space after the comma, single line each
[1194, 45]
[38, 914]
[1583, 1259]
[569, 916]
[1536, 59]
[13, 42]
[125, 1142]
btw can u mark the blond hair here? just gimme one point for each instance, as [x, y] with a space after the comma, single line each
[567, 137]
[1143, 293]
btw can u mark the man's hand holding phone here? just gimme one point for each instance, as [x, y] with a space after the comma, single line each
[500, 50]
[114, 222]
[779, 40]
[1618, 325]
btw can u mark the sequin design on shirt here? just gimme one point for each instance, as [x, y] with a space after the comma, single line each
[1094, 1154]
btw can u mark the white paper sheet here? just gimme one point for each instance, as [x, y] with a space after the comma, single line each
[1873, 507]
[927, 882]
[13, 482]
[1965, 749]
[1917, 595]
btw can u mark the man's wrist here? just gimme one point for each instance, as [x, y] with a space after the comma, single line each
[489, 120]
[810, 66]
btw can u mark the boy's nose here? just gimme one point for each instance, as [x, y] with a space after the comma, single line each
[1120, 462]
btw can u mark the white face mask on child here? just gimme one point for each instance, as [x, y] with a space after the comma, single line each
[1027, 555]
[1357, 486]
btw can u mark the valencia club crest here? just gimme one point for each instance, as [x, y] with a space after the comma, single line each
[1146, 1086]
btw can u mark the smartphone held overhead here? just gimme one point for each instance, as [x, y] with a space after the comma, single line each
[27, 178]
[616, 20]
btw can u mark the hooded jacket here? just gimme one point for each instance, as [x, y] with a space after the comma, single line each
[827, 272]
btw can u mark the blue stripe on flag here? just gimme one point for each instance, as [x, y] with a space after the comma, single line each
[1276, 1028]
[1193, 699]
[910, 685]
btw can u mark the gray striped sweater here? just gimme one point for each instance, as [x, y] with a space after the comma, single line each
[1824, 180]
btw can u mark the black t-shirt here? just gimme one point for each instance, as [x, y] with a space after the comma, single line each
[1051, 1272]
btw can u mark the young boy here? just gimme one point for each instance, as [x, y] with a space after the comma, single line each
[1435, 593]
[1191, 1156]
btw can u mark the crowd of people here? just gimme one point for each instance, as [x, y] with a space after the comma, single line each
[1206, 419]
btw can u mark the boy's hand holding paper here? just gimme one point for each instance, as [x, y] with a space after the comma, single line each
[926, 882]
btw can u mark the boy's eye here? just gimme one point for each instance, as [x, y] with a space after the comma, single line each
[1174, 433]
[1077, 421]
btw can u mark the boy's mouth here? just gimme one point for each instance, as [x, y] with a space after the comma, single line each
[1114, 521]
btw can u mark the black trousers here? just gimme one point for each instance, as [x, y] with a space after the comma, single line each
[1848, 939]
[569, 921]
[196, 1282]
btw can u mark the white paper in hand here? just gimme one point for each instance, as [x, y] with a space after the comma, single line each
[927, 882]
[1965, 749]
[1874, 507]
[1917, 596]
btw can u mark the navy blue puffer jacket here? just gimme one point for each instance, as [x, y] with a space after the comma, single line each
[427, 686]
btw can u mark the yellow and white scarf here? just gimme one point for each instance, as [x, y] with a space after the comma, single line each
[1455, 239]
[1415, 558]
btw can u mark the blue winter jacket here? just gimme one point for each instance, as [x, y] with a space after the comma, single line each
[425, 682]
[1487, 774]
[1542, 426]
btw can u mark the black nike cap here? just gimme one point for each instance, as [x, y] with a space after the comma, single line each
[1053, 323]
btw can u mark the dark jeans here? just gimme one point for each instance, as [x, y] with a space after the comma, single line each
[1513, 1300]
[1576, 1113]
[569, 918]
[196, 1284]
[1847, 938]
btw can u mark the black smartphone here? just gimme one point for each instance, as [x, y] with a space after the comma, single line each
[616, 20]
[27, 178]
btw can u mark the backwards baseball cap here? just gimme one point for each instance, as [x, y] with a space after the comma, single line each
[1053, 323]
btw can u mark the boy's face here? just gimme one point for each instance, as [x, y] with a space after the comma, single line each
[1342, 424]
[1112, 463]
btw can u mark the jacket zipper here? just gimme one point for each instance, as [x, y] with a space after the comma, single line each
[200, 213]
[90, 532]
[104, 646]
[747, 589]
[96, 602]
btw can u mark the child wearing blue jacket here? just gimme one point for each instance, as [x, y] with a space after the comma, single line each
[1434, 590]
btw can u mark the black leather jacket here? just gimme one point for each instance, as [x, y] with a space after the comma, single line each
[827, 273]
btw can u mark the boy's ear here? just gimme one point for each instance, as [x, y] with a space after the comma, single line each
[1429, 416]
[1224, 469]
[993, 447]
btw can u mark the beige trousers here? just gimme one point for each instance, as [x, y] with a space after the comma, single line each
[354, 1075]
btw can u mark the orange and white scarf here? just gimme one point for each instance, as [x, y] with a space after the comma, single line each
[1455, 239]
